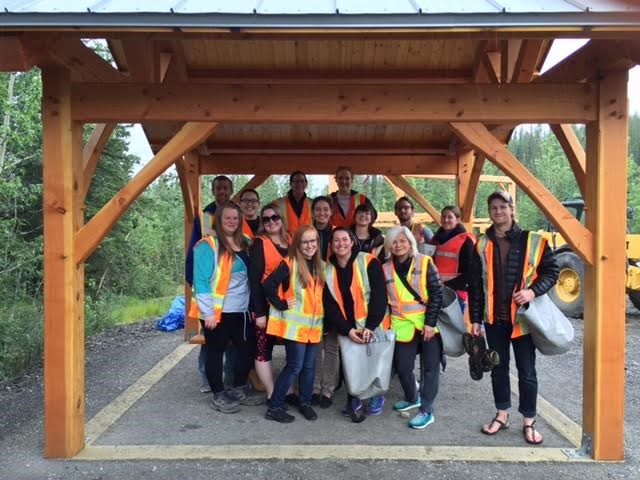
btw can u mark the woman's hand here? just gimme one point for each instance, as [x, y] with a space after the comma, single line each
[367, 335]
[210, 322]
[291, 302]
[476, 329]
[524, 296]
[428, 333]
[261, 322]
[356, 336]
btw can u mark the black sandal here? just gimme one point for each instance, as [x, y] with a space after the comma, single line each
[502, 425]
[533, 434]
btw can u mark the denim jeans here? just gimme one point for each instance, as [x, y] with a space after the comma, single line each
[499, 338]
[301, 361]
[404, 359]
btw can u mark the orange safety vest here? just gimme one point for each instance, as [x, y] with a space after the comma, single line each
[272, 256]
[246, 230]
[221, 276]
[533, 255]
[447, 256]
[303, 322]
[407, 314]
[290, 219]
[360, 289]
[338, 219]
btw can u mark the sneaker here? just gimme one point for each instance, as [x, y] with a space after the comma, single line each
[404, 406]
[325, 402]
[205, 388]
[284, 406]
[292, 399]
[375, 405]
[355, 407]
[279, 415]
[422, 420]
[223, 403]
[308, 412]
[247, 395]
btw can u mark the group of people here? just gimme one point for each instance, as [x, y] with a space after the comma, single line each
[304, 272]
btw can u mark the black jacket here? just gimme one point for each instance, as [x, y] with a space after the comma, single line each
[547, 270]
[377, 307]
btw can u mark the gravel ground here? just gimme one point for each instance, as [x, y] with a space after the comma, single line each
[117, 357]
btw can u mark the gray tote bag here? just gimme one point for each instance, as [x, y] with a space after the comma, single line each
[451, 323]
[367, 366]
[551, 331]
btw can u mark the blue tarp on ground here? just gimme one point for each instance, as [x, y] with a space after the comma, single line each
[174, 319]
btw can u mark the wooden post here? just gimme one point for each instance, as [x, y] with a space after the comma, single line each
[466, 184]
[63, 279]
[604, 309]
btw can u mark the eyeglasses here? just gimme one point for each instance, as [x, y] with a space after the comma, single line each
[309, 242]
[253, 201]
[273, 218]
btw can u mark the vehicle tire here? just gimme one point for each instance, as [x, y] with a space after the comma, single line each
[568, 292]
[634, 296]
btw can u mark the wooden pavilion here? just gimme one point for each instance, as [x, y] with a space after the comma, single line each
[386, 87]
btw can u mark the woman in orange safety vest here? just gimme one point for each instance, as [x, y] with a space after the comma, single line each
[454, 251]
[294, 291]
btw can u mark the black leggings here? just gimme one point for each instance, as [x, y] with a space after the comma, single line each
[238, 329]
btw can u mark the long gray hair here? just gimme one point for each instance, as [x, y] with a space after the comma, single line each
[393, 233]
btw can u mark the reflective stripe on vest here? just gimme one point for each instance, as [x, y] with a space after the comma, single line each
[221, 277]
[289, 217]
[338, 219]
[303, 322]
[407, 314]
[446, 256]
[360, 288]
[533, 256]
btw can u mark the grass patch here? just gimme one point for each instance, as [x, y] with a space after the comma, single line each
[131, 310]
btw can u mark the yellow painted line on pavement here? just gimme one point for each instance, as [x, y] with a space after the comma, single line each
[323, 452]
[554, 417]
[112, 412]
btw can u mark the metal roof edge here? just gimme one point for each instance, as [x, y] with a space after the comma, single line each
[417, 20]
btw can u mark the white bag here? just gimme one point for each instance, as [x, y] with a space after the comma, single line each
[367, 366]
[551, 331]
[451, 323]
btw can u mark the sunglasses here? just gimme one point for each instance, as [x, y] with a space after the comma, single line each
[273, 218]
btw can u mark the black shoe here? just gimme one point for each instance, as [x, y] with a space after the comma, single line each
[284, 406]
[325, 402]
[357, 417]
[279, 415]
[308, 412]
[292, 399]
[475, 367]
[490, 360]
[315, 399]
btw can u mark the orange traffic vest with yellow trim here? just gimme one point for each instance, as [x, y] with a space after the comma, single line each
[407, 313]
[221, 276]
[360, 289]
[447, 256]
[290, 219]
[303, 322]
[339, 219]
[246, 230]
[272, 257]
[533, 255]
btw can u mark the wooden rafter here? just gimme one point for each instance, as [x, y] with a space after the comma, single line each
[92, 152]
[558, 103]
[89, 236]
[185, 187]
[141, 59]
[574, 152]
[403, 184]
[594, 57]
[477, 136]
[14, 57]
[397, 190]
[268, 164]
[253, 183]
[528, 61]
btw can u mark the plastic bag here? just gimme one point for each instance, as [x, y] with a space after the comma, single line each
[174, 318]
[551, 331]
[451, 324]
[367, 366]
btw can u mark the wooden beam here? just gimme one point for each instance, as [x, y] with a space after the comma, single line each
[92, 152]
[404, 185]
[467, 182]
[397, 190]
[528, 61]
[13, 56]
[532, 103]
[253, 183]
[185, 187]
[477, 136]
[597, 56]
[90, 236]
[141, 59]
[322, 164]
[604, 309]
[64, 402]
[573, 150]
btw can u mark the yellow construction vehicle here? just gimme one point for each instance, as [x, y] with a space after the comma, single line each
[568, 293]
